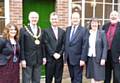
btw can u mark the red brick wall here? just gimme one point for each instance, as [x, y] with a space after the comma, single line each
[62, 10]
[16, 12]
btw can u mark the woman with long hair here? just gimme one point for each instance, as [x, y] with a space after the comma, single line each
[9, 46]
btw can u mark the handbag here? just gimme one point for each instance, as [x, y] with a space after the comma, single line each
[4, 59]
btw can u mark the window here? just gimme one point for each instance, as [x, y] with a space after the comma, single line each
[2, 16]
[96, 8]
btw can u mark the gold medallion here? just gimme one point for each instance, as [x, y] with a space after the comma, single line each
[37, 42]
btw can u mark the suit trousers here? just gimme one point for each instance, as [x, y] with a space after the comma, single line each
[75, 73]
[54, 69]
[116, 73]
[110, 65]
[31, 74]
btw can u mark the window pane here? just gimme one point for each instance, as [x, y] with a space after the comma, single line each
[116, 7]
[99, 0]
[76, 0]
[2, 18]
[108, 9]
[108, 1]
[99, 10]
[2, 25]
[88, 10]
[89, 0]
[76, 8]
[115, 1]
[87, 23]
[1, 8]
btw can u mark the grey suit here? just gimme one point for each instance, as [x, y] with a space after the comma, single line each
[93, 63]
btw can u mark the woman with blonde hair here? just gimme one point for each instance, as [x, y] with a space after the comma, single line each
[9, 47]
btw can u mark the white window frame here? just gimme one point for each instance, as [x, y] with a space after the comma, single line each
[94, 1]
[7, 11]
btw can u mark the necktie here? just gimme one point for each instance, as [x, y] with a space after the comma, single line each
[72, 34]
[111, 34]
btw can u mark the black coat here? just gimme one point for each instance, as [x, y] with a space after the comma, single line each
[115, 49]
[31, 52]
[52, 45]
[6, 48]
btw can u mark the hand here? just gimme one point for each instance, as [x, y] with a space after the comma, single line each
[23, 64]
[119, 59]
[82, 63]
[56, 56]
[44, 61]
[102, 62]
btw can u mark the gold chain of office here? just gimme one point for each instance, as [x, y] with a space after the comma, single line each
[37, 41]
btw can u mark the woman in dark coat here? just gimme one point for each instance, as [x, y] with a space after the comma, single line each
[97, 53]
[9, 46]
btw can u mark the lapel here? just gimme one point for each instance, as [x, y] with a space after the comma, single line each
[98, 34]
[38, 30]
[117, 29]
[59, 33]
[107, 27]
[68, 34]
[29, 28]
[76, 34]
[52, 33]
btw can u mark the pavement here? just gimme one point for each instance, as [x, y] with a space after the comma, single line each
[66, 77]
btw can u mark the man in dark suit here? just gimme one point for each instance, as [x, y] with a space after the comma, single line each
[54, 46]
[32, 49]
[112, 30]
[75, 48]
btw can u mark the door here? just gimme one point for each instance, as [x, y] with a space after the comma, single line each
[43, 7]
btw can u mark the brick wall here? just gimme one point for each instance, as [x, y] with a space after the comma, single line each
[62, 10]
[16, 12]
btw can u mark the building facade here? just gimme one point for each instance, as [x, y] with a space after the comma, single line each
[12, 11]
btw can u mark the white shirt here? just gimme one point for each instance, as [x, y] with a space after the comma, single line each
[73, 29]
[92, 42]
[34, 29]
[55, 30]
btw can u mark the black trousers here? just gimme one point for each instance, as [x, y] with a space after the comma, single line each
[108, 68]
[31, 74]
[112, 66]
[54, 69]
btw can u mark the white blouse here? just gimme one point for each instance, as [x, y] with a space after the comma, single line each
[92, 42]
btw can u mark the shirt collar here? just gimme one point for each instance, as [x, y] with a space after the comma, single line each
[54, 28]
[31, 25]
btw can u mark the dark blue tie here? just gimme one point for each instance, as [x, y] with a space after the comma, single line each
[73, 33]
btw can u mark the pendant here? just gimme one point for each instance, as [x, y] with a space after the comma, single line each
[37, 42]
[15, 59]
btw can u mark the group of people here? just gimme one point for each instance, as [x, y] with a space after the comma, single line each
[97, 47]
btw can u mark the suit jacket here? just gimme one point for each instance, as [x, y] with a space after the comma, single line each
[115, 48]
[31, 52]
[100, 46]
[75, 50]
[52, 45]
[7, 49]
